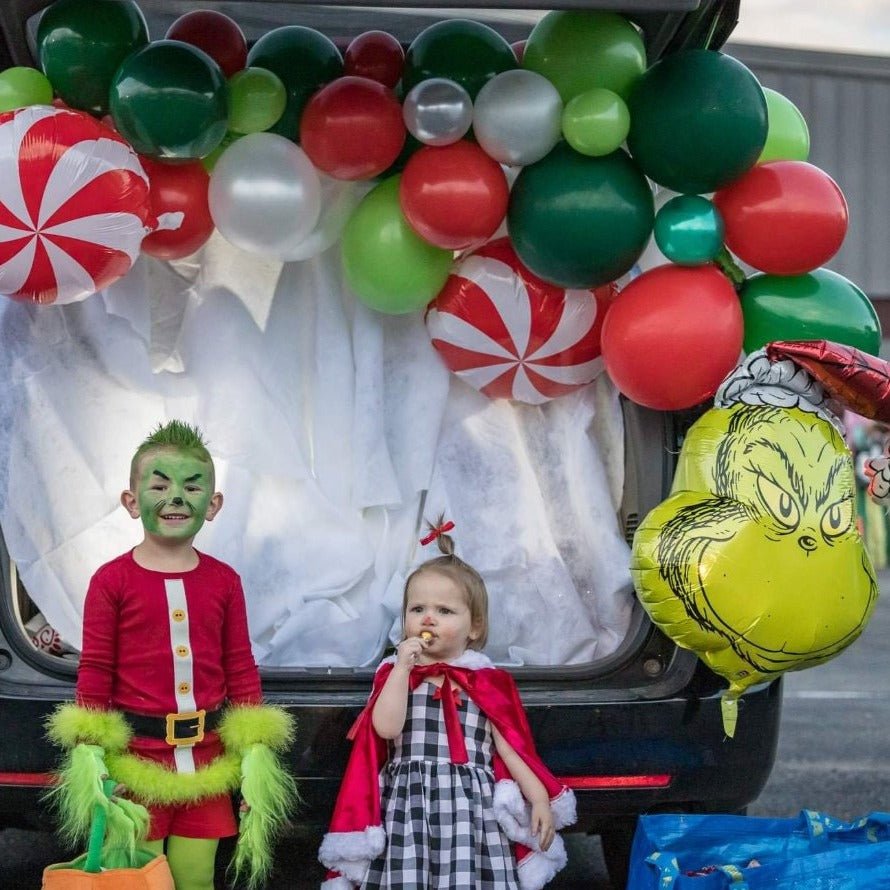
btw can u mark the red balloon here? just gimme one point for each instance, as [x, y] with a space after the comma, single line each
[377, 56]
[672, 335]
[178, 188]
[454, 196]
[352, 128]
[518, 48]
[784, 217]
[215, 33]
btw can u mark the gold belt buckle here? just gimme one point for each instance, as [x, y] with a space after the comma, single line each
[192, 721]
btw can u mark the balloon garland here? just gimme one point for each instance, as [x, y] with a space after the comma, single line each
[249, 141]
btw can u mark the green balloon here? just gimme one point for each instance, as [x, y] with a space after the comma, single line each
[820, 305]
[787, 137]
[579, 51]
[388, 265]
[596, 122]
[169, 101]
[467, 52]
[209, 161]
[697, 121]
[579, 221]
[257, 98]
[80, 44]
[304, 59]
[689, 230]
[24, 86]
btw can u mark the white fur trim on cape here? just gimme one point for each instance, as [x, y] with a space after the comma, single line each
[513, 812]
[469, 659]
[539, 868]
[351, 852]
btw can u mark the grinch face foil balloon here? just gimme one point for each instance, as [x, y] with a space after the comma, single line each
[754, 561]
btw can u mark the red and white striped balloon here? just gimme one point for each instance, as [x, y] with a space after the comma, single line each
[74, 205]
[512, 335]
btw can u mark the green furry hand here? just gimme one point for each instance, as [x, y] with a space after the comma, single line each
[269, 793]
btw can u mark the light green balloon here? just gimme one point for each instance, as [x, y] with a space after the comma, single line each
[209, 161]
[595, 123]
[22, 86]
[580, 50]
[787, 136]
[388, 265]
[257, 98]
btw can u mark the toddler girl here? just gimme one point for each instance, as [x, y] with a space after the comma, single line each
[444, 787]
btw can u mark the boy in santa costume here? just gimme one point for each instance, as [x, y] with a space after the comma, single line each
[168, 698]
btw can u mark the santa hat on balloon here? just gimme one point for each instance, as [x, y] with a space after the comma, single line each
[820, 377]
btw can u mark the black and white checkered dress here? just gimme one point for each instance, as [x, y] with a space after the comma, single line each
[438, 815]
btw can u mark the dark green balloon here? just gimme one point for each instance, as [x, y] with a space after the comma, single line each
[698, 121]
[80, 44]
[467, 52]
[169, 101]
[820, 305]
[305, 60]
[580, 221]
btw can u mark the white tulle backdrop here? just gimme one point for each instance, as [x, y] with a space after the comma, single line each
[334, 430]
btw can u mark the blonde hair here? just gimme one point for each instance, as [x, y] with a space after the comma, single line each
[464, 576]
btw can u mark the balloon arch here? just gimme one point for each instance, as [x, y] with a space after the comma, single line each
[597, 166]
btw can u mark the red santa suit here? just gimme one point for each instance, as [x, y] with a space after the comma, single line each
[356, 835]
[159, 643]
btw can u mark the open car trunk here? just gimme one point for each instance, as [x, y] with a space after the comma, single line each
[337, 432]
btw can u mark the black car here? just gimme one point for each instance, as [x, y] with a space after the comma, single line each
[638, 731]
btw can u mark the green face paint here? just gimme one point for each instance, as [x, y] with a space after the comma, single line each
[173, 491]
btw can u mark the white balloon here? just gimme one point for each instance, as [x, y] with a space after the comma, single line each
[517, 117]
[437, 111]
[265, 195]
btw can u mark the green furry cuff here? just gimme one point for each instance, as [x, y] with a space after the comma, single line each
[153, 783]
[243, 726]
[269, 793]
[70, 725]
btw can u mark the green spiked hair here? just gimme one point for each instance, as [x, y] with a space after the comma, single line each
[176, 435]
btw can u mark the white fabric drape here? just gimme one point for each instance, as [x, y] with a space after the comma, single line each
[334, 430]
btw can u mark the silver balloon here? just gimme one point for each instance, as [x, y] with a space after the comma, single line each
[517, 118]
[437, 111]
[265, 195]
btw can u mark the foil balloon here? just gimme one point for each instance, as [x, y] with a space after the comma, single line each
[74, 205]
[517, 117]
[511, 335]
[437, 111]
[859, 380]
[753, 561]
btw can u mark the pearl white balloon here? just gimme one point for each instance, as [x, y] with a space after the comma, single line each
[437, 111]
[265, 195]
[517, 117]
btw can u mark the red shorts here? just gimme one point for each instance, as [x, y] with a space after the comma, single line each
[209, 818]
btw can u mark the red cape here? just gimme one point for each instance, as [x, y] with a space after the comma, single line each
[356, 836]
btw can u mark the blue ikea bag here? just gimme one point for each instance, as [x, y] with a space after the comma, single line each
[810, 852]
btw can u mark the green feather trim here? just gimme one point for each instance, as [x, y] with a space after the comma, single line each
[71, 725]
[77, 790]
[270, 793]
[153, 783]
[245, 725]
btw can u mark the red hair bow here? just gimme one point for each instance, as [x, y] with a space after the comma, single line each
[436, 531]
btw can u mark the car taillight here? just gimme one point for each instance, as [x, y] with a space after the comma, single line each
[35, 779]
[586, 783]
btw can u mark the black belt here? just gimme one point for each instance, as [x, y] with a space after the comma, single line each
[187, 728]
